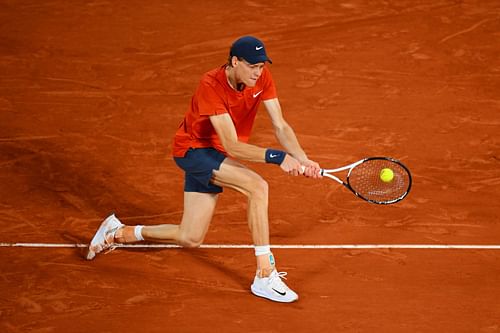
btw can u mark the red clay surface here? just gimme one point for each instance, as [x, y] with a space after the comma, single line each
[91, 93]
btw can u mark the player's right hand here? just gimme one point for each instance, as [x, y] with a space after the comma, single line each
[311, 169]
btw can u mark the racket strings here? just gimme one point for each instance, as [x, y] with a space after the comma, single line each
[365, 180]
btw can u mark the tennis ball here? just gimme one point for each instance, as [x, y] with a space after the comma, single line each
[386, 175]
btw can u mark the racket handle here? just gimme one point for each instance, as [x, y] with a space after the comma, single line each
[303, 169]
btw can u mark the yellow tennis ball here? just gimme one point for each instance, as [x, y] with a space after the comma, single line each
[386, 175]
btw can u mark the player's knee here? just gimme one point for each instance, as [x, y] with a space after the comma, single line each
[190, 242]
[259, 189]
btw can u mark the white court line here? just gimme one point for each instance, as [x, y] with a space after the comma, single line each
[246, 246]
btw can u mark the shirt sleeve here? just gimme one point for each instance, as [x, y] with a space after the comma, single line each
[210, 101]
[269, 88]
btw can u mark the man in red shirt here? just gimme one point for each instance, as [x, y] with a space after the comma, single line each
[208, 145]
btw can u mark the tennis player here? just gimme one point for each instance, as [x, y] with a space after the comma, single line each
[209, 145]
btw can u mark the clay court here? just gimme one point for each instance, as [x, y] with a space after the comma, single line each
[92, 92]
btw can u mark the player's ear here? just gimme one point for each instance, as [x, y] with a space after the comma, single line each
[234, 61]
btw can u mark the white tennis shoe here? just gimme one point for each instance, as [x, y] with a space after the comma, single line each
[104, 237]
[273, 288]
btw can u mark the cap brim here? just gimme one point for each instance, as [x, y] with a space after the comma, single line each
[256, 60]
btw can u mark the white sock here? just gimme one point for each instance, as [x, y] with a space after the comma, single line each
[138, 232]
[261, 250]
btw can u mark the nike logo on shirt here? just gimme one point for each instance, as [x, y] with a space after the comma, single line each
[259, 48]
[257, 94]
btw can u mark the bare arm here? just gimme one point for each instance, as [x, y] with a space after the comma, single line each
[287, 138]
[224, 126]
[283, 131]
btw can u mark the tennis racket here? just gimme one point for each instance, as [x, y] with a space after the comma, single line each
[365, 179]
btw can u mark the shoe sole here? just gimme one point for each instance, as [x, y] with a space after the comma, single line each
[258, 293]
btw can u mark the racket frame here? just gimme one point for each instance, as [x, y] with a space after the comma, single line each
[350, 167]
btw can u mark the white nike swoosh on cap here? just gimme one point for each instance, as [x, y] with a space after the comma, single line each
[259, 47]
[257, 94]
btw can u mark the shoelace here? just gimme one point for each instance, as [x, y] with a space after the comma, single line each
[275, 280]
[110, 246]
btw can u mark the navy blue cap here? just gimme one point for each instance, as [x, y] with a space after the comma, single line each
[249, 48]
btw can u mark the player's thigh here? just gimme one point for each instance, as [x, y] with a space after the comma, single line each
[198, 212]
[237, 176]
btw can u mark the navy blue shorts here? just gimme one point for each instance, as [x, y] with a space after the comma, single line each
[198, 165]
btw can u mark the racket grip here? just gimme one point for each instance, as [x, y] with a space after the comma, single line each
[303, 169]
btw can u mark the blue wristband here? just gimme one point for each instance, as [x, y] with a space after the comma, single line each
[275, 156]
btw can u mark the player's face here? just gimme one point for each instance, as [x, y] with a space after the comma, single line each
[247, 73]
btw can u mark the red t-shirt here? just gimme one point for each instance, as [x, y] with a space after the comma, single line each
[215, 96]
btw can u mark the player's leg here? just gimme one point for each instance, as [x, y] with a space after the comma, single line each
[200, 198]
[198, 211]
[267, 282]
[237, 176]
